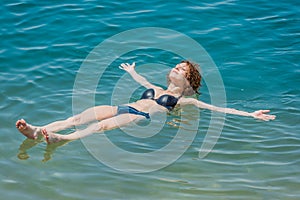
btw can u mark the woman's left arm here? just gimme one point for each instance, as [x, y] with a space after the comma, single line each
[130, 68]
[259, 114]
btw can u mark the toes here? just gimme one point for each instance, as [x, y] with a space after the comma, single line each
[18, 123]
[21, 124]
[46, 135]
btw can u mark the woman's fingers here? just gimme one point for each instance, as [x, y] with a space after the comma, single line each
[127, 66]
[123, 65]
[269, 117]
[261, 114]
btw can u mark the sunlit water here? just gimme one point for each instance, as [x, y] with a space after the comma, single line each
[255, 45]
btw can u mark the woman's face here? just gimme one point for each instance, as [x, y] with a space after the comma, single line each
[180, 68]
[178, 73]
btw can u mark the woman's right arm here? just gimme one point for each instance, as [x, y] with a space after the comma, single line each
[138, 78]
[259, 114]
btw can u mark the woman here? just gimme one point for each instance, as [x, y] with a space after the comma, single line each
[184, 80]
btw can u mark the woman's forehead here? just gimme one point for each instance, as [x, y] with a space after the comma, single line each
[182, 64]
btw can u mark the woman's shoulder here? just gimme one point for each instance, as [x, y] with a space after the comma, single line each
[187, 100]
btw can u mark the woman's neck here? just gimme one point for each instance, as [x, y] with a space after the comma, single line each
[175, 89]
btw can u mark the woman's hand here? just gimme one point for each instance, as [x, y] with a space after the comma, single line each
[130, 68]
[260, 114]
[127, 67]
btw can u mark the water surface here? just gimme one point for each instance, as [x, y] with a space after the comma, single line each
[255, 45]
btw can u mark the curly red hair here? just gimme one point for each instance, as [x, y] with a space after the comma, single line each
[193, 75]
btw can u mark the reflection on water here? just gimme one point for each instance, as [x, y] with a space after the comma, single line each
[27, 144]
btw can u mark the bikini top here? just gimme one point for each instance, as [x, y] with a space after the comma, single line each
[167, 101]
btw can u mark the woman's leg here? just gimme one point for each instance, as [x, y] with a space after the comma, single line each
[91, 114]
[106, 124]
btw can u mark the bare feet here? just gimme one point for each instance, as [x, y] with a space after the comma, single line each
[51, 137]
[28, 130]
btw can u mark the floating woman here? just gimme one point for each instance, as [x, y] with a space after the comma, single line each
[183, 80]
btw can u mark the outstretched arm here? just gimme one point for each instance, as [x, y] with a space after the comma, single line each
[259, 114]
[138, 78]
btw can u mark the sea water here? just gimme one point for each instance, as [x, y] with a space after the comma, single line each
[255, 48]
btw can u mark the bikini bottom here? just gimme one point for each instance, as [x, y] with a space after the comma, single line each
[122, 109]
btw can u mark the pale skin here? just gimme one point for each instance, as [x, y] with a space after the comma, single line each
[101, 118]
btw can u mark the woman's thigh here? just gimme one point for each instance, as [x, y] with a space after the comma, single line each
[104, 112]
[119, 121]
[96, 113]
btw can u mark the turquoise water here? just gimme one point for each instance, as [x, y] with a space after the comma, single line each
[255, 46]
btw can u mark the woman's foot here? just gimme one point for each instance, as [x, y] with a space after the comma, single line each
[31, 132]
[51, 137]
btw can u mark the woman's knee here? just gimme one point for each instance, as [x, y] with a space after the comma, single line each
[75, 120]
[107, 125]
[96, 127]
[102, 126]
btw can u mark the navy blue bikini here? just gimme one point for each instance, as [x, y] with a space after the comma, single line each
[167, 101]
[122, 109]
